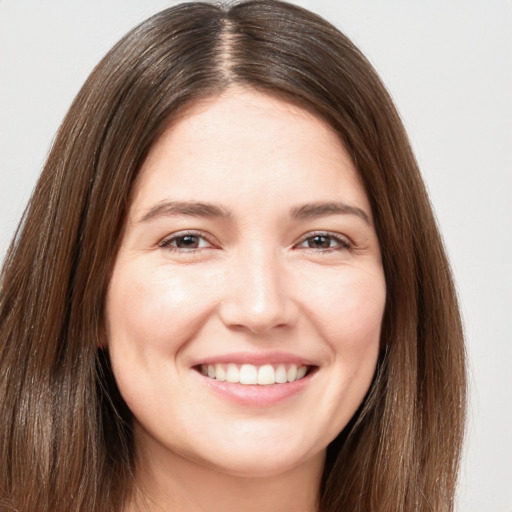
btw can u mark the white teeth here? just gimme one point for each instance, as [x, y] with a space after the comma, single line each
[281, 374]
[291, 374]
[220, 373]
[266, 375]
[249, 374]
[301, 371]
[232, 374]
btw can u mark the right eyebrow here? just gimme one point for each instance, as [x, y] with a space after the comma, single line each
[188, 208]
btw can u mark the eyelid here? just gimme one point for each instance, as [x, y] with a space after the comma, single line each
[344, 242]
[165, 242]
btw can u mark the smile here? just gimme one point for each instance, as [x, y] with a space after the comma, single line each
[249, 374]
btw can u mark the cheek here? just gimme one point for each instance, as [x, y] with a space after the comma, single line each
[352, 327]
[151, 315]
[350, 313]
[155, 310]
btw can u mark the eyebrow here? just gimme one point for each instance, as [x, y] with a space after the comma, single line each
[188, 208]
[309, 211]
[212, 210]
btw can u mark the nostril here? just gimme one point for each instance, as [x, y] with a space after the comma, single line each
[240, 316]
[256, 298]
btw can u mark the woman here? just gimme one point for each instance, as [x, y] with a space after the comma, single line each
[229, 289]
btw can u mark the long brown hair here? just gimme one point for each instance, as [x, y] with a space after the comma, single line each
[65, 433]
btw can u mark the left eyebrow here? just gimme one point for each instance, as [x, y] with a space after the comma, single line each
[308, 211]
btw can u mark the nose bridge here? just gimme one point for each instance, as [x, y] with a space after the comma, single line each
[257, 295]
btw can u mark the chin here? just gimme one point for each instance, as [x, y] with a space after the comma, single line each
[263, 465]
[259, 456]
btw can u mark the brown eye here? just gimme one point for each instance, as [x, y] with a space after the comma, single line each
[185, 242]
[319, 242]
[325, 242]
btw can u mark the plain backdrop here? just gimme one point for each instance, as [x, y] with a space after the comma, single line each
[447, 64]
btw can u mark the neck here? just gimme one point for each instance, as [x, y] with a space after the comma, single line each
[171, 482]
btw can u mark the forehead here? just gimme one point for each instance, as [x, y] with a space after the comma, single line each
[248, 146]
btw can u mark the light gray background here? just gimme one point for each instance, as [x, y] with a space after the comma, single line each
[448, 65]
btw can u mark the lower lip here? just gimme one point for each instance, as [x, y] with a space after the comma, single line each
[256, 395]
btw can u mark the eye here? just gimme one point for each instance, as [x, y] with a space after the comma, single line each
[325, 242]
[187, 241]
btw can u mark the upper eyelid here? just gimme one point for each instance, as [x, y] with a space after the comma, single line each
[186, 232]
[332, 234]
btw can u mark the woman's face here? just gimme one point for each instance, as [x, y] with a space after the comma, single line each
[246, 300]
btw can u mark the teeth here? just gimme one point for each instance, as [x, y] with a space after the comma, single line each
[266, 375]
[281, 374]
[220, 373]
[232, 374]
[249, 374]
[301, 371]
[291, 374]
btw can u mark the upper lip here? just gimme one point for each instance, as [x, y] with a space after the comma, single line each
[256, 358]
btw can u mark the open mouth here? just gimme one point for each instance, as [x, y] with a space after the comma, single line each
[249, 374]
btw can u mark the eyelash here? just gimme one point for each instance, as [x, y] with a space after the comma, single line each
[166, 244]
[343, 243]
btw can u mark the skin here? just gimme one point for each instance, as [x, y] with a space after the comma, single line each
[251, 281]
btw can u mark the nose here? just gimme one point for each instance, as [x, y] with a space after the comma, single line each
[257, 295]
